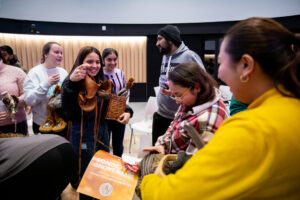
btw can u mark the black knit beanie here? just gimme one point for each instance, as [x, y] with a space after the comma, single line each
[171, 33]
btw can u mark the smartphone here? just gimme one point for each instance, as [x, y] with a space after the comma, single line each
[163, 82]
[165, 86]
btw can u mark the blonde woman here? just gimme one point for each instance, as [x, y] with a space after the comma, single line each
[41, 81]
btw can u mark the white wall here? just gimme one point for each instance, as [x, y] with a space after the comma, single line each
[145, 11]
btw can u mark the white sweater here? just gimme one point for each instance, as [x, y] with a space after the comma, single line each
[37, 91]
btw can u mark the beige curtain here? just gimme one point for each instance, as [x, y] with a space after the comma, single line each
[132, 50]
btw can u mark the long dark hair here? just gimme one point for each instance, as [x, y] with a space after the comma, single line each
[46, 49]
[189, 74]
[81, 56]
[272, 46]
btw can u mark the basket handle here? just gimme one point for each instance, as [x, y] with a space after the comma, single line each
[159, 170]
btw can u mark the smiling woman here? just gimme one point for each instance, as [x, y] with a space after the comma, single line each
[117, 77]
[41, 81]
[88, 132]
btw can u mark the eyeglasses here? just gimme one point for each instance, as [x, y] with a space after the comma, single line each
[181, 96]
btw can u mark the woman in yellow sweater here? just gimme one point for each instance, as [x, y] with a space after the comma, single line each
[255, 153]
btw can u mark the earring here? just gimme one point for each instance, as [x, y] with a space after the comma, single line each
[244, 79]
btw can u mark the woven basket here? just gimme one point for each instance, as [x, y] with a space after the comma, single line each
[116, 107]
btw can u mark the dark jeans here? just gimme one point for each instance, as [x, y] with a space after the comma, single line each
[117, 131]
[159, 126]
[21, 128]
[35, 128]
[45, 178]
[87, 147]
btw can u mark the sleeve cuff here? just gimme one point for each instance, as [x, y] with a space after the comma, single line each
[129, 110]
[45, 85]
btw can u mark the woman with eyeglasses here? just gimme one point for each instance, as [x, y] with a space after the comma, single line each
[200, 101]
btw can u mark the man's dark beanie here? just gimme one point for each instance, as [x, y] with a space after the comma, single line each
[171, 33]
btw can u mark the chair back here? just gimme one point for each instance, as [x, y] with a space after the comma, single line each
[151, 107]
[156, 90]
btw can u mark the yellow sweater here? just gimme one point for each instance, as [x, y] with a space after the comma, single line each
[254, 155]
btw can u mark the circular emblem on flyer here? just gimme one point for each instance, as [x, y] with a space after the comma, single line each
[105, 189]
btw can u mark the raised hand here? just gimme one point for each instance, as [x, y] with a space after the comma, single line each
[79, 73]
[166, 90]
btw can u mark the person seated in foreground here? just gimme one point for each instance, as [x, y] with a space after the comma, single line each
[35, 167]
[255, 153]
[199, 99]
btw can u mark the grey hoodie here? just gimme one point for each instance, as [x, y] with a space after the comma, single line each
[167, 107]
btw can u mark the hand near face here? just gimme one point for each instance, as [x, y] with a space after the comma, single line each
[159, 149]
[166, 89]
[165, 92]
[124, 118]
[79, 73]
[52, 80]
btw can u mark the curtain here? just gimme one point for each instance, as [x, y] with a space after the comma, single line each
[132, 50]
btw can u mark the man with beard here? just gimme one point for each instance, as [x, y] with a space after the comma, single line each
[174, 52]
[10, 58]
